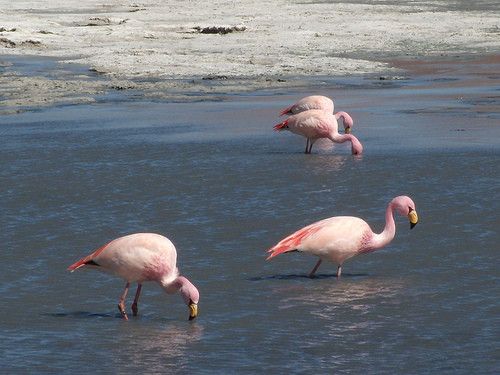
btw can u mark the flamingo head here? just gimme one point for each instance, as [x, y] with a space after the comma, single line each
[406, 207]
[356, 146]
[189, 293]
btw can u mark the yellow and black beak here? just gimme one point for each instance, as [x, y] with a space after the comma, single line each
[413, 217]
[193, 310]
[347, 130]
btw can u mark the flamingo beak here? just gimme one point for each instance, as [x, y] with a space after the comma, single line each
[347, 130]
[413, 217]
[193, 310]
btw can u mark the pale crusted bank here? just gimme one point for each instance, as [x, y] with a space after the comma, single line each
[170, 48]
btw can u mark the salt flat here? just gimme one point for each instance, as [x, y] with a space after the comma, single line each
[170, 48]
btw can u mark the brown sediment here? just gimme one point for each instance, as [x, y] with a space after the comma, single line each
[477, 64]
[460, 73]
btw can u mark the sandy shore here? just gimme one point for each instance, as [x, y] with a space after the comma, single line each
[174, 50]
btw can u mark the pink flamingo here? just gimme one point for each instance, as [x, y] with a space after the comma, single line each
[341, 237]
[142, 257]
[315, 124]
[319, 102]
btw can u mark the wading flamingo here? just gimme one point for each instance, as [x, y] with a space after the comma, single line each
[339, 238]
[315, 124]
[142, 257]
[319, 102]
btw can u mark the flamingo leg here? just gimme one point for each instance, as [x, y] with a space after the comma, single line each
[339, 271]
[311, 147]
[121, 304]
[307, 147]
[311, 274]
[136, 299]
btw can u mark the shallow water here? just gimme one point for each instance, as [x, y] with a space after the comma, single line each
[215, 179]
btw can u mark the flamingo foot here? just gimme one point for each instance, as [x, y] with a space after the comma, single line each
[134, 309]
[121, 308]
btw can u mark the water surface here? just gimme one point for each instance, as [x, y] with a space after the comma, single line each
[215, 179]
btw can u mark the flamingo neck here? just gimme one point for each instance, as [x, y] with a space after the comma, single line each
[380, 240]
[341, 115]
[172, 283]
[341, 138]
[184, 286]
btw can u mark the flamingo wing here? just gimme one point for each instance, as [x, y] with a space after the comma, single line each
[89, 259]
[293, 241]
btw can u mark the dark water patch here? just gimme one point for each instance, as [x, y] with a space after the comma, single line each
[224, 187]
[48, 67]
[81, 315]
[306, 276]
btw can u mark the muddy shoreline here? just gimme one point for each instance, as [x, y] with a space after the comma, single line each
[56, 85]
[68, 52]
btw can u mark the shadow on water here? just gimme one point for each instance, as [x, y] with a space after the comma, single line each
[305, 276]
[81, 315]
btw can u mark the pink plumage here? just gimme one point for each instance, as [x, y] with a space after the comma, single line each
[142, 257]
[315, 124]
[323, 103]
[310, 102]
[339, 238]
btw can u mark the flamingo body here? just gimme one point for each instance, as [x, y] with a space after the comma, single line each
[335, 239]
[142, 257]
[339, 238]
[315, 124]
[323, 103]
[310, 102]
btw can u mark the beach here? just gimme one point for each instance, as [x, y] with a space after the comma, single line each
[164, 50]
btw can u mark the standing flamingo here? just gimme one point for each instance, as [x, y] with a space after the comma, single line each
[341, 237]
[319, 102]
[142, 257]
[314, 124]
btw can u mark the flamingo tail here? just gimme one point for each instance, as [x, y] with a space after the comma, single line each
[277, 250]
[292, 242]
[88, 260]
[281, 126]
[286, 111]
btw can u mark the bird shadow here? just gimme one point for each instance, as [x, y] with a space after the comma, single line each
[82, 315]
[299, 276]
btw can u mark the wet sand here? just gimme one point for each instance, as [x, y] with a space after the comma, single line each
[194, 51]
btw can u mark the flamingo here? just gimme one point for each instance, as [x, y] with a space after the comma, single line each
[314, 124]
[319, 102]
[142, 257]
[339, 238]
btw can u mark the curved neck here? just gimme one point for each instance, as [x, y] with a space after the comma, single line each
[382, 239]
[340, 114]
[182, 284]
[172, 286]
[341, 138]
[356, 146]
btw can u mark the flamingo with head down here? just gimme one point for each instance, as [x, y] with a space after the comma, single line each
[138, 258]
[339, 238]
[315, 124]
[319, 102]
